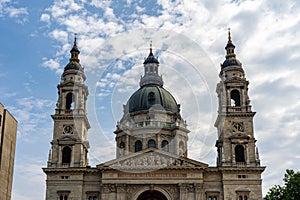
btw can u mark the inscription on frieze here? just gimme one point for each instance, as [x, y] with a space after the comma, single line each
[154, 175]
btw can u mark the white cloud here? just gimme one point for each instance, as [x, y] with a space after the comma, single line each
[52, 64]
[59, 35]
[28, 171]
[8, 9]
[16, 12]
[45, 18]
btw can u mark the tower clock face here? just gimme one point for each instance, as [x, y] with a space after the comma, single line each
[238, 127]
[68, 129]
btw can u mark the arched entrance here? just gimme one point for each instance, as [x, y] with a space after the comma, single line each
[152, 195]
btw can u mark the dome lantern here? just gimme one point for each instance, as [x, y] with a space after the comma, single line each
[151, 76]
[74, 62]
[230, 55]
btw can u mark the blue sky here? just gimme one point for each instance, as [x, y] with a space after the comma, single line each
[113, 36]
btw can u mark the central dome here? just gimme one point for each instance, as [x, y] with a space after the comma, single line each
[152, 96]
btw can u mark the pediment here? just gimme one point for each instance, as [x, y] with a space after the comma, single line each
[151, 158]
[67, 137]
[239, 136]
[66, 140]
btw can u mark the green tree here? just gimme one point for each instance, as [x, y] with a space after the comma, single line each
[289, 191]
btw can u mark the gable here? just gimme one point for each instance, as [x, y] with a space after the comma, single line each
[152, 158]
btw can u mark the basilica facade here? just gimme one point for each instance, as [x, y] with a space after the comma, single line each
[151, 143]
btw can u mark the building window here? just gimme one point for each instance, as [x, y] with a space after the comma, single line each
[92, 198]
[70, 101]
[151, 97]
[212, 195]
[122, 148]
[122, 145]
[235, 98]
[239, 153]
[242, 195]
[181, 149]
[245, 197]
[63, 195]
[66, 155]
[151, 143]
[138, 146]
[165, 145]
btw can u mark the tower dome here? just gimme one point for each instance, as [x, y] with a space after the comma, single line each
[231, 59]
[152, 97]
[151, 117]
[74, 63]
[151, 93]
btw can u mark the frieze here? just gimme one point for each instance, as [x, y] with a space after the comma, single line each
[182, 175]
[107, 188]
[151, 160]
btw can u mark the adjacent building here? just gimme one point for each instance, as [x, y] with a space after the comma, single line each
[8, 134]
[151, 143]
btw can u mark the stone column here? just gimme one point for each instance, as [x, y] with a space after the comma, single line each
[247, 154]
[183, 191]
[121, 191]
[105, 191]
[127, 145]
[158, 139]
[199, 191]
[233, 153]
[59, 156]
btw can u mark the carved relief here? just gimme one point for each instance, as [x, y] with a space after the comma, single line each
[121, 188]
[152, 160]
[131, 190]
[108, 188]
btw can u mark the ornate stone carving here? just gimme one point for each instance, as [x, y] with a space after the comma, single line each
[121, 188]
[131, 189]
[107, 188]
[151, 160]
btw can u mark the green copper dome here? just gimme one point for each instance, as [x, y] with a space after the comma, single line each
[152, 96]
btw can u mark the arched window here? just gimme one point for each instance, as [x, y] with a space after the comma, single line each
[63, 197]
[245, 197]
[165, 145]
[235, 97]
[66, 155]
[138, 146]
[151, 143]
[239, 153]
[240, 197]
[151, 97]
[181, 145]
[122, 147]
[70, 101]
[92, 198]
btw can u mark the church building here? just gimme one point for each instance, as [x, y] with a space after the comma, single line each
[151, 143]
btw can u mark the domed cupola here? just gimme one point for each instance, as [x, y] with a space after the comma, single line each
[151, 117]
[152, 97]
[230, 56]
[74, 62]
[151, 93]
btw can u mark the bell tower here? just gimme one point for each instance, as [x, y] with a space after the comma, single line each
[236, 141]
[69, 146]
